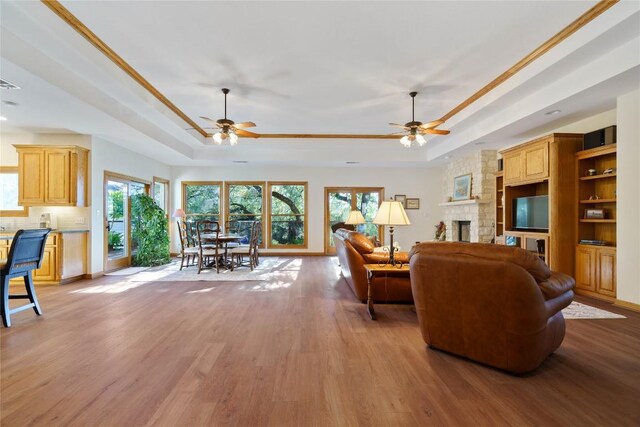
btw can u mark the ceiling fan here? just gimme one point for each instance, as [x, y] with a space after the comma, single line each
[417, 129]
[228, 129]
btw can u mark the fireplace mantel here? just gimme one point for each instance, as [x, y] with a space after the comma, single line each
[466, 202]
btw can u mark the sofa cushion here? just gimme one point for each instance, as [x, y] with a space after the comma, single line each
[525, 259]
[360, 242]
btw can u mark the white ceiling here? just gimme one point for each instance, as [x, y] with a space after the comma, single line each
[308, 67]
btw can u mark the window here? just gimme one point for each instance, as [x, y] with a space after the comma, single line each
[161, 193]
[244, 204]
[9, 193]
[288, 215]
[201, 200]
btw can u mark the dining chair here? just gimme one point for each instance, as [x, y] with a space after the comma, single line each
[187, 251]
[209, 254]
[232, 227]
[25, 255]
[207, 227]
[249, 251]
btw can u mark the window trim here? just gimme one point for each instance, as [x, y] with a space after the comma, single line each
[13, 213]
[305, 215]
[167, 195]
[220, 201]
[228, 184]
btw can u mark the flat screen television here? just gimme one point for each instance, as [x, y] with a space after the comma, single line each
[531, 213]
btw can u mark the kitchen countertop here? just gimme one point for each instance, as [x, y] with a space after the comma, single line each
[8, 234]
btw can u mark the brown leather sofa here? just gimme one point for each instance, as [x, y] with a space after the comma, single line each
[494, 304]
[354, 251]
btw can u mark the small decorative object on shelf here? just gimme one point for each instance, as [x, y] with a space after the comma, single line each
[591, 172]
[609, 171]
[594, 197]
[441, 232]
[594, 214]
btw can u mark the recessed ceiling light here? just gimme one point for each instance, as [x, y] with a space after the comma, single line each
[2, 119]
[7, 85]
[480, 142]
[352, 163]
[552, 112]
[11, 103]
[240, 161]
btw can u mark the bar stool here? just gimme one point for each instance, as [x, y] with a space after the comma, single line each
[25, 256]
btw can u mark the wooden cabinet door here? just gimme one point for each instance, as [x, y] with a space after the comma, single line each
[48, 268]
[58, 186]
[535, 161]
[606, 284]
[4, 252]
[512, 167]
[31, 178]
[586, 268]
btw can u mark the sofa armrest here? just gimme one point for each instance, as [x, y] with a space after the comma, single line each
[556, 285]
[376, 257]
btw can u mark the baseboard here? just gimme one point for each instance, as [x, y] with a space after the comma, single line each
[73, 279]
[91, 276]
[628, 305]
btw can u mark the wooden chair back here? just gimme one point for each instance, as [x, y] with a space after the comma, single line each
[25, 254]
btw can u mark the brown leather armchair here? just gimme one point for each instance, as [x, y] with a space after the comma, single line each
[354, 251]
[494, 304]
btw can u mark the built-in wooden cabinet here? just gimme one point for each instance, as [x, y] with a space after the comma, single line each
[499, 216]
[596, 237]
[528, 163]
[52, 175]
[543, 167]
[596, 271]
[64, 258]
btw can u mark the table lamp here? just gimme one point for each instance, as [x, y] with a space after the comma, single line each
[355, 218]
[179, 213]
[391, 213]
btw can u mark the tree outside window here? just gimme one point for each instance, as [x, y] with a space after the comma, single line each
[201, 201]
[287, 215]
[245, 205]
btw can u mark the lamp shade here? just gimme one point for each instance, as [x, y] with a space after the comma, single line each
[391, 212]
[179, 213]
[355, 217]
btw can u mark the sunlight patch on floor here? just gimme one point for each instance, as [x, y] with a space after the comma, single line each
[114, 288]
[199, 291]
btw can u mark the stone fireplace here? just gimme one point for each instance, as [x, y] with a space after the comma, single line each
[471, 220]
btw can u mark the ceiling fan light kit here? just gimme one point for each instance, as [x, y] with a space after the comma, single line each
[418, 129]
[229, 130]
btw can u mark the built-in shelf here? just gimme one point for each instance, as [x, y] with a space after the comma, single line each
[499, 207]
[598, 201]
[500, 223]
[500, 190]
[610, 221]
[589, 178]
[466, 202]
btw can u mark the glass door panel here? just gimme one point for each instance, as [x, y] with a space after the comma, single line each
[339, 206]
[117, 224]
[367, 203]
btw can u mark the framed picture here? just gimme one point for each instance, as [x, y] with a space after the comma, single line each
[594, 214]
[402, 199]
[413, 203]
[462, 187]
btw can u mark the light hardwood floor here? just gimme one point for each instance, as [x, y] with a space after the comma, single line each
[297, 351]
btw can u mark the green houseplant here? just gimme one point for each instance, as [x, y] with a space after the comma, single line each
[150, 232]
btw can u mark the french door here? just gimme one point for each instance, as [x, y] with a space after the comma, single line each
[119, 244]
[339, 201]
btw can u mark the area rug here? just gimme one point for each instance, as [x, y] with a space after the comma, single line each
[270, 268]
[127, 271]
[578, 310]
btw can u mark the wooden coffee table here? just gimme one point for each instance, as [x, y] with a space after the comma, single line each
[376, 270]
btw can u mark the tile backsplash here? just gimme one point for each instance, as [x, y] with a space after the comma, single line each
[61, 218]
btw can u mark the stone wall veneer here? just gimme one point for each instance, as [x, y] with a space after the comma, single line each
[481, 166]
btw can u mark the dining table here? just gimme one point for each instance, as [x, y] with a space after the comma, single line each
[224, 238]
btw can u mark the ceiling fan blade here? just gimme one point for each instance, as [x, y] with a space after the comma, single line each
[241, 132]
[399, 126]
[431, 124]
[398, 133]
[435, 131]
[208, 119]
[244, 125]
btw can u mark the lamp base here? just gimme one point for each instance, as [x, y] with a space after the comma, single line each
[392, 260]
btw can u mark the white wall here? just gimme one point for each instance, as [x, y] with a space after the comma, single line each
[106, 156]
[628, 225]
[423, 183]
